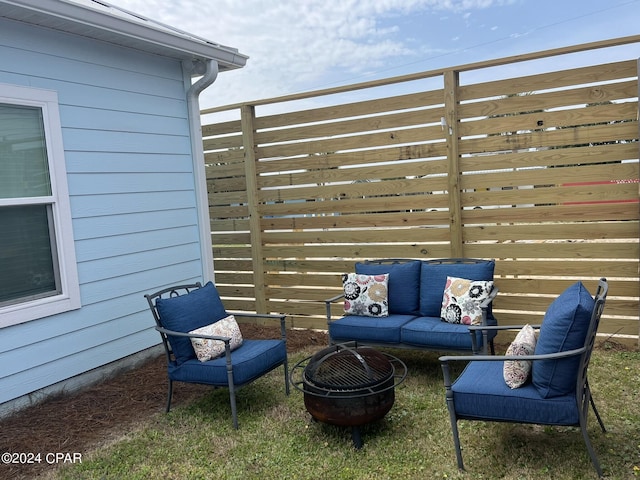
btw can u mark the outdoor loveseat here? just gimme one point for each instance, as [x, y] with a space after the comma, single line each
[403, 303]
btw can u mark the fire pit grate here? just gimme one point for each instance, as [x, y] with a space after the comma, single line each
[348, 369]
[348, 385]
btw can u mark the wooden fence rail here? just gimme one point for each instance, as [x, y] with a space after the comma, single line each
[539, 172]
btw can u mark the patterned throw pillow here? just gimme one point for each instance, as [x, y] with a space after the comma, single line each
[207, 349]
[461, 300]
[366, 295]
[516, 372]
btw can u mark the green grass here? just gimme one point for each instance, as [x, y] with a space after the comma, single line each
[277, 440]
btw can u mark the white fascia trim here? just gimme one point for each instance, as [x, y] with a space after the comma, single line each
[134, 26]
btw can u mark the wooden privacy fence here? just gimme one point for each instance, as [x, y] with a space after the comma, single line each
[539, 172]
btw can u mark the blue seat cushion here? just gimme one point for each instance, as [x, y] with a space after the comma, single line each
[564, 327]
[250, 361]
[368, 329]
[404, 284]
[433, 333]
[187, 312]
[481, 393]
[433, 279]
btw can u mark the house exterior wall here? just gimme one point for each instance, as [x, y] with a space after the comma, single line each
[128, 157]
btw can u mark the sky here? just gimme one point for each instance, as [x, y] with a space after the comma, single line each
[301, 45]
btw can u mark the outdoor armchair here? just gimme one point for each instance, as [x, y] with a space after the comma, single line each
[203, 343]
[556, 391]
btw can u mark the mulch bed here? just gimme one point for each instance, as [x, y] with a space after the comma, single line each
[82, 421]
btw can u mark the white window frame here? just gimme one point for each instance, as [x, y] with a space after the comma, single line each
[69, 298]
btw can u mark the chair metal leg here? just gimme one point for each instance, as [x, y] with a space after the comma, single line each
[595, 410]
[169, 395]
[593, 406]
[232, 390]
[232, 400]
[456, 438]
[286, 377]
[587, 441]
[452, 414]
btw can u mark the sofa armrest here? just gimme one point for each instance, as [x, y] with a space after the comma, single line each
[484, 327]
[486, 303]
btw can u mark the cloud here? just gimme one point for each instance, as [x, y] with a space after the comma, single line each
[295, 46]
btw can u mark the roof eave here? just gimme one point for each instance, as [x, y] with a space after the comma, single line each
[131, 30]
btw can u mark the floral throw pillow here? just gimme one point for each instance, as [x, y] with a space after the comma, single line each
[462, 298]
[207, 349]
[516, 372]
[366, 295]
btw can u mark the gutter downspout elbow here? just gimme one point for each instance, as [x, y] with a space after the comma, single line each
[209, 76]
[209, 71]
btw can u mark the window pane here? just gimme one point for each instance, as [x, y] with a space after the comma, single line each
[23, 153]
[26, 259]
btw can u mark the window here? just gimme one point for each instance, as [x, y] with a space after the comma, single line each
[37, 256]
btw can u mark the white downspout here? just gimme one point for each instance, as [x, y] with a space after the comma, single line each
[209, 75]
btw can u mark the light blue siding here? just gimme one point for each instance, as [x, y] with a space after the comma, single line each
[132, 191]
[96, 205]
[158, 221]
[89, 140]
[97, 183]
[108, 120]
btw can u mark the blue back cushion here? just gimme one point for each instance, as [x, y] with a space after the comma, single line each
[564, 327]
[433, 280]
[187, 312]
[404, 284]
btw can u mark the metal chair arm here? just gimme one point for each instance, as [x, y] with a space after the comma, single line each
[499, 327]
[504, 358]
[334, 299]
[173, 333]
[271, 316]
[328, 303]
[444, 360]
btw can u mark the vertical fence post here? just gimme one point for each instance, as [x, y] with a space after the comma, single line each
[451, 84]
[247, 118]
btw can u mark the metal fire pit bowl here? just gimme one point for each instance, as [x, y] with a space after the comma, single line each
[349, 386]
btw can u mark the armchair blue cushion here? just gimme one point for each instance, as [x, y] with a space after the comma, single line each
[249, 362]
[185, 313]
[404, 283]
[564, 327]
[433, 280]
[476, 397]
